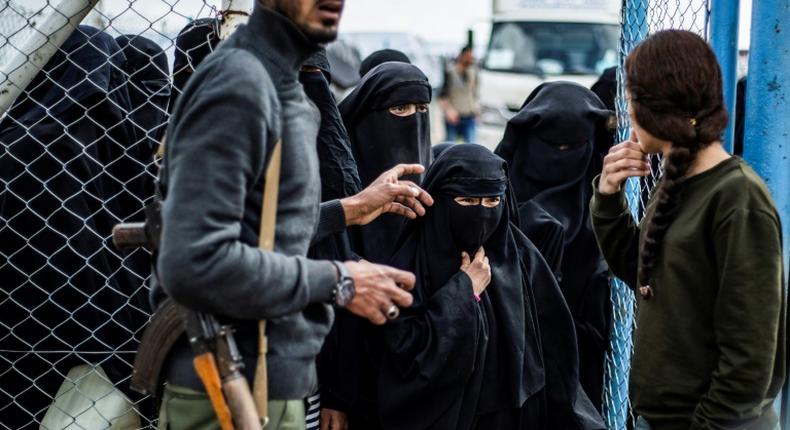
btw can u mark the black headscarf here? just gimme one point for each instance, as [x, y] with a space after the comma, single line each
[193, 43]
[382, 56]
[440, 148]
[148, 77]
[69, 169]
[381, 140]
[558, 180]
[606, 90]
[450, 362]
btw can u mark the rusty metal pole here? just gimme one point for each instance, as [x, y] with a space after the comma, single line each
[234, 13]
[43, 43]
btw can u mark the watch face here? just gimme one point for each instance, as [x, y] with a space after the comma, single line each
[345, 293]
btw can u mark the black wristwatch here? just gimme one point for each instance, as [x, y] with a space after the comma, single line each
[344, 291]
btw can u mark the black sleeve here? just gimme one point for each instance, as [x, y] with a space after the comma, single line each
[428, 357]
[331, 220]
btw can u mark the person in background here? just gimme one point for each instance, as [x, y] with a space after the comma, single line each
[706, 260]
[69, 160]
[381, 56]
[550, 146]
[459, 98]
[387, 119]
[194, 42]
[339, 179]
[489, 342]
[149, 88]
[439, 149]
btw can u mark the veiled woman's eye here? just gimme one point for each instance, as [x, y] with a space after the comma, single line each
[422, 108]
[467, 201]
[403, 110]
[492, 202]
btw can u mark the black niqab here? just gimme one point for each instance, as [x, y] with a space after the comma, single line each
[380, 57]
[451, 362]
[148, 77]
[193, 43]
[558, 180]
[381, 140]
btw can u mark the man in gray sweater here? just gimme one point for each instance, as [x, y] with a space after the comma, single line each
[240, 101]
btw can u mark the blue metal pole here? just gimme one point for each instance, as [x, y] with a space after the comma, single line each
[767, 128]
[724, 39]
[616, 406]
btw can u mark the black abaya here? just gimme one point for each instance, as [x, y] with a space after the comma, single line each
[341, 353]
[69, 165]
[550, 146]
[508, 361]
[381, 140]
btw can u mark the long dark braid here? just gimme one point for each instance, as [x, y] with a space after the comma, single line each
[674, 82]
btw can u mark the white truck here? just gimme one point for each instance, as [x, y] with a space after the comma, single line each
[536, 41]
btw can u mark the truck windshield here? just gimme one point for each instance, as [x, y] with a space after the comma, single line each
[552, 48]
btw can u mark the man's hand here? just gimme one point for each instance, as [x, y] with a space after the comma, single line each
[388, 194]
[378, 288]
[333, 420]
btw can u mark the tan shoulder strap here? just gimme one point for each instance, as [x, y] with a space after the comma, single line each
[260, 391]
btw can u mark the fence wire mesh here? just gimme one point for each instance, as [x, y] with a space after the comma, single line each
[639, 19]
[77, 156]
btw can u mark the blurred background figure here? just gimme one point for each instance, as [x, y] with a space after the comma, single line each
[459, 98]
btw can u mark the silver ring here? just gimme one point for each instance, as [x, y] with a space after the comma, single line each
[393, 312]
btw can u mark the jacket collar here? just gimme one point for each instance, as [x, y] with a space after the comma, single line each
[277, 39]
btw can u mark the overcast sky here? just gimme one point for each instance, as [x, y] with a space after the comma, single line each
[443, 21]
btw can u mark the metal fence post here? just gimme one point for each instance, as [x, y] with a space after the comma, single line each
[616, 408]
[234, 13]
[39, 48]
[767, 128]
[724, 40]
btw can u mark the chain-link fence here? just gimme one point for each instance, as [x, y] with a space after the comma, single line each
[640, 18]
[76, 157]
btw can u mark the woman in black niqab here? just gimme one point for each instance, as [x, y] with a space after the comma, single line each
[380, 140]
[68, 164]
[148, 77]
[550, 146]
[193, 43]
[507, 361]
[341, 351]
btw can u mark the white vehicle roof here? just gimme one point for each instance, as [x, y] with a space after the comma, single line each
[562, 15]
[586, 11]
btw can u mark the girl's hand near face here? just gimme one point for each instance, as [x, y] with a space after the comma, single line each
[625, 160]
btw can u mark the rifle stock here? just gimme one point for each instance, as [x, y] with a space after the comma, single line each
[206, 368]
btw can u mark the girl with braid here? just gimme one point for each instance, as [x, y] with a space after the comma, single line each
[706, 260]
